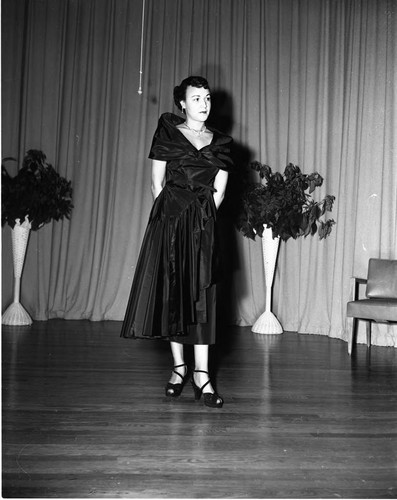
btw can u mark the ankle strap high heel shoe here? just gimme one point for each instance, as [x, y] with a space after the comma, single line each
[174, 390]
[211, 399]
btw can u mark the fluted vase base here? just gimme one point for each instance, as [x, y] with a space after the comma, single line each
[267, 324]
[16, 315]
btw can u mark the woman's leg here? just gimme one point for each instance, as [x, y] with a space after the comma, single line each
[178, 356]
[201, 363]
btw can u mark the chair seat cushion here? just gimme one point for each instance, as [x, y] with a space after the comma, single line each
[375, 309]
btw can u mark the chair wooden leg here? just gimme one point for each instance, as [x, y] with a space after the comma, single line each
[352, 336]
[369, 328]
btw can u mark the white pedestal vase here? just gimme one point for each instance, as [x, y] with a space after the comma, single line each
[267, 323]
[16, 314]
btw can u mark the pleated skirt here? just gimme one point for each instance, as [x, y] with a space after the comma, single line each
[173, 295]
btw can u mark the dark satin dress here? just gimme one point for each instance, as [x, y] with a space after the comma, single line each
[173, 294]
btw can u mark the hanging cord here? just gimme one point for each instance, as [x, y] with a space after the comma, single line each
[141, 60]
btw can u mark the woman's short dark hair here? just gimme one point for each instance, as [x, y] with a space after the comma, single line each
[190, 81]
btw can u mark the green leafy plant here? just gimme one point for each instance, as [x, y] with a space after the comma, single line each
[37, 192]
[282, 203]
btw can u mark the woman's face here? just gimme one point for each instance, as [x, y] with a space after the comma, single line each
[197, 103]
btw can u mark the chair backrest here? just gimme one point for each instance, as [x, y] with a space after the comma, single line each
[382, 279]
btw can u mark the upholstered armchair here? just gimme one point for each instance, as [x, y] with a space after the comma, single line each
[380, 302]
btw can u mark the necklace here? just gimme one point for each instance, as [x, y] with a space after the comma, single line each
[197, 132]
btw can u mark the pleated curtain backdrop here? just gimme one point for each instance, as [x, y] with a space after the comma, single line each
[312, 82]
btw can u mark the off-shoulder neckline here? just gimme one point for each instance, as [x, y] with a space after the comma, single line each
[173, 120]
[170, 120]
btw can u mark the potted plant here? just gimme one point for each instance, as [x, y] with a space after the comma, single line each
[278, 208]
[32, 198]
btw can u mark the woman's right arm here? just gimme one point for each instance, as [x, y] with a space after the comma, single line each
[158, 176]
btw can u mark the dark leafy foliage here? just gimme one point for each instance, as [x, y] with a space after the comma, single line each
[37, 191]
[283, 204]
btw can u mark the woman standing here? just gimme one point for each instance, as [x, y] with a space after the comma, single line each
[173, 294]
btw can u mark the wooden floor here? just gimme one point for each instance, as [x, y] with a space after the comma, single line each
[84, 416]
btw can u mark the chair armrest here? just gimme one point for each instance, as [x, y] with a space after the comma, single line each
[357, 283]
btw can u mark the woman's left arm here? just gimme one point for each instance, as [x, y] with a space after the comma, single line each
[220, 183]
